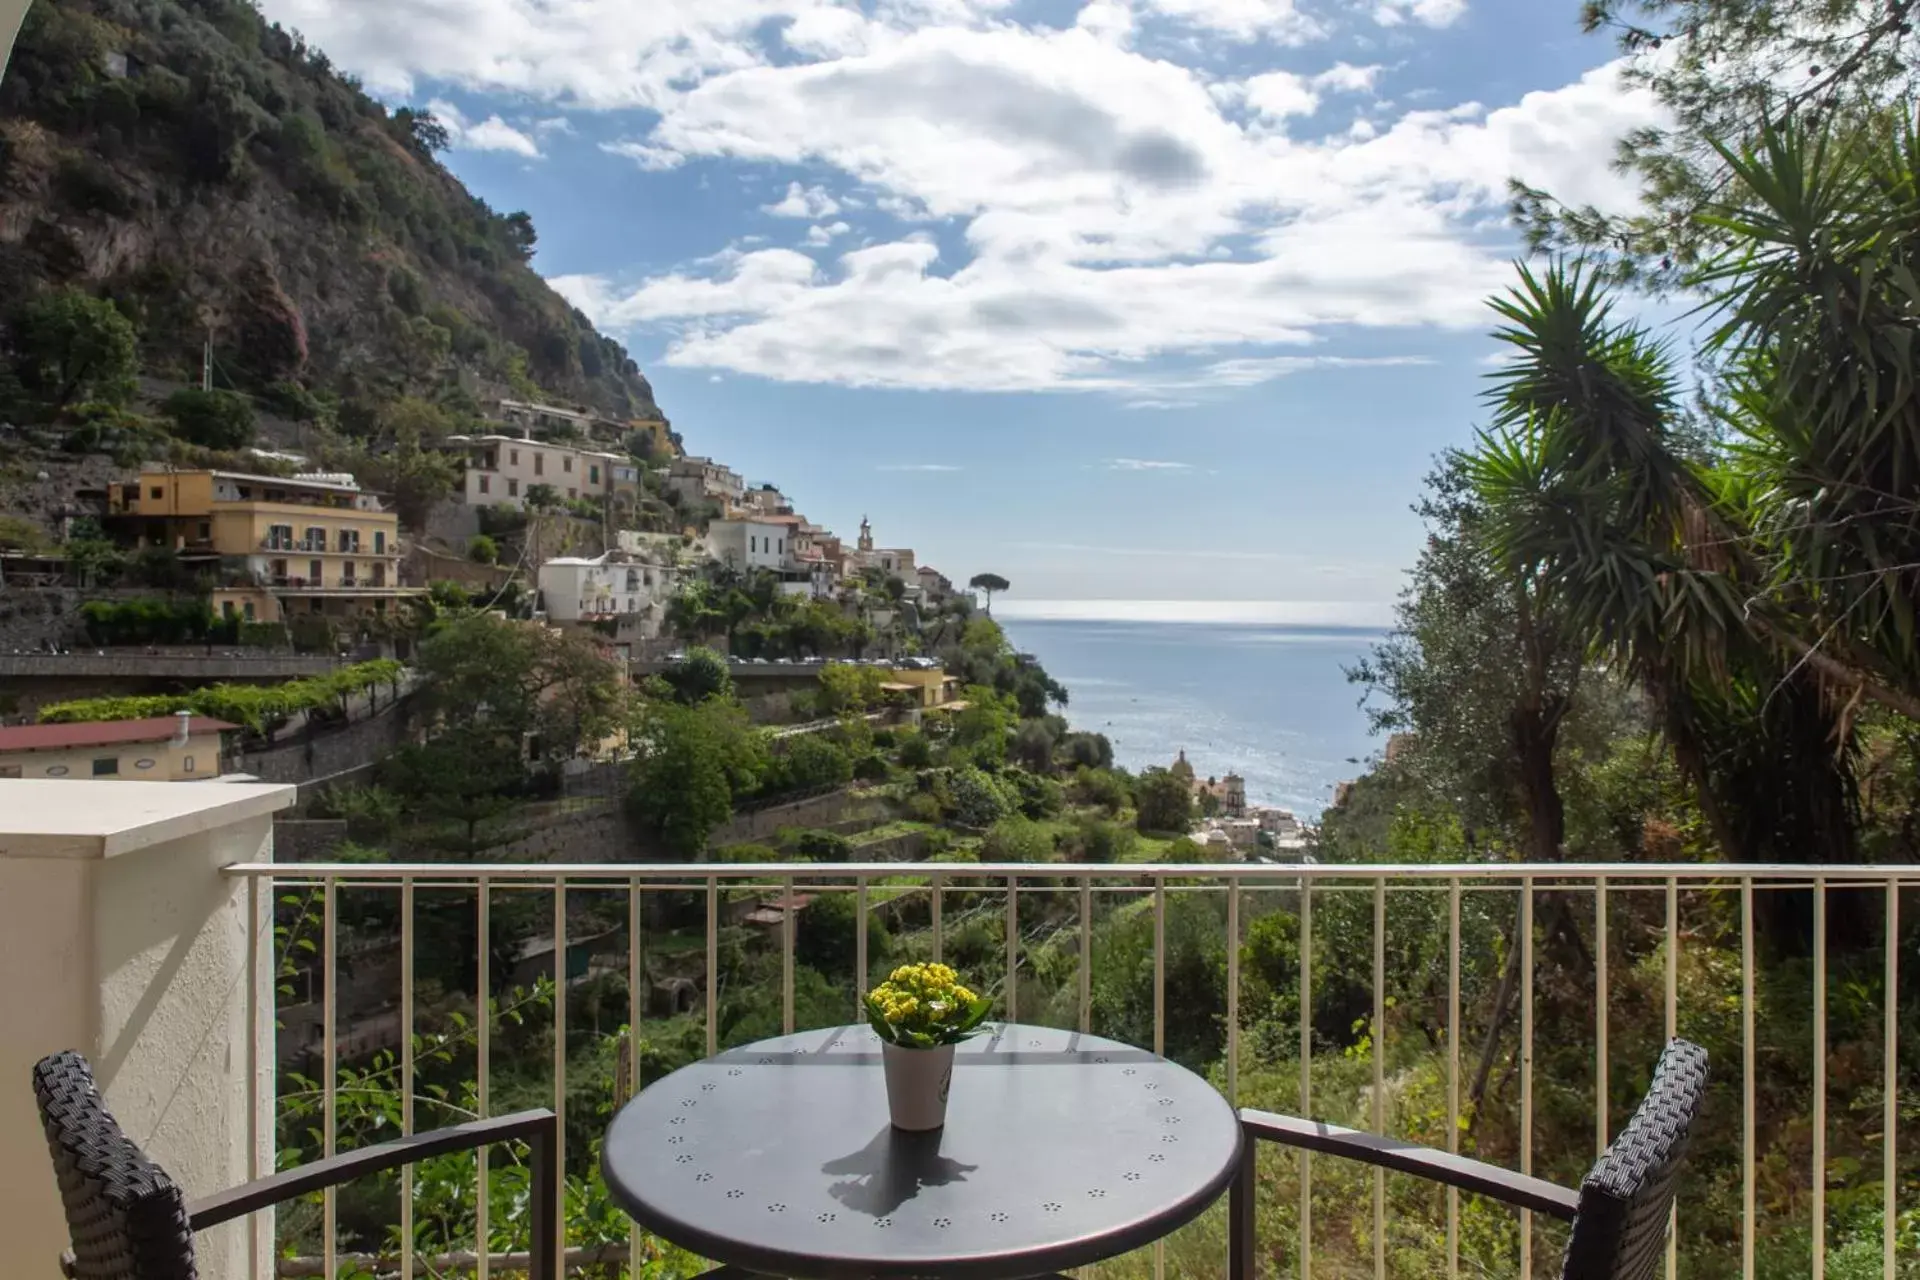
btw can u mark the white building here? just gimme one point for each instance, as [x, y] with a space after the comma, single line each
[610, 586]
[761, 542]
[765, 500]
[896, 561]
[528, 415]
[700, 479]
[500, 470]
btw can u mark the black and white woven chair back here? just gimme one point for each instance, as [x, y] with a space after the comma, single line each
[125, 1216]
[1620, 1229]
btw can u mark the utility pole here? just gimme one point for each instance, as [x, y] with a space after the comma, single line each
[206, 363]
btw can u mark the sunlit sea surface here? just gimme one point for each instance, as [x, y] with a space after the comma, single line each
[1268, 702]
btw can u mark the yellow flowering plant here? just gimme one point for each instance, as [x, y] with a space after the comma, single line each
[923, 1006]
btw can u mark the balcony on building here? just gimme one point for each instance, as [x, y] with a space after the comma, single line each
[213, 987]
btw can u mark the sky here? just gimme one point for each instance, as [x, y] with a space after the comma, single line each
[1164, 301]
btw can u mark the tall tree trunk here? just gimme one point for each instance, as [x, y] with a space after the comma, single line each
[1535, 730]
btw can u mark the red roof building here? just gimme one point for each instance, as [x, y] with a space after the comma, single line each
[176, 748]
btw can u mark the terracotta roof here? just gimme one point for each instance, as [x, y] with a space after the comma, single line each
[102, 733]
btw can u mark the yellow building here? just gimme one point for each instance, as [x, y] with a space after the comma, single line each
[312, 544]
[177, 748]
[928, 686]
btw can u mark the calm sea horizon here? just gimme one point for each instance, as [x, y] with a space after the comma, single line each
[1269, 701]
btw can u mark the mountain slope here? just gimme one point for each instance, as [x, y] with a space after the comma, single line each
[212, 173]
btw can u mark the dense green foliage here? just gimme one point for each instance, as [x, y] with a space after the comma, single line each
[256, 707]
[149, 620]
[251, 183]
[213, 419]
[694, 761]
[558, 692]
[70, 346]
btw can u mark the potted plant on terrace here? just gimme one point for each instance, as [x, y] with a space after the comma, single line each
[920, 1012]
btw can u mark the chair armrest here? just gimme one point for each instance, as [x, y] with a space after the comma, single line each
[1519, 1189]
[538, 1127]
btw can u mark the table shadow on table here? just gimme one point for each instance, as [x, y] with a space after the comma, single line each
[891, 1170]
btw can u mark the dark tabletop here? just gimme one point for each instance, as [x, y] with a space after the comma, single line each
[1060, 1149]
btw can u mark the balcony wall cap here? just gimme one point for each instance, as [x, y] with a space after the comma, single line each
[82, 818]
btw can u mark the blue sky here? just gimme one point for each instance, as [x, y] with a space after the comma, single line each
[1166, 300]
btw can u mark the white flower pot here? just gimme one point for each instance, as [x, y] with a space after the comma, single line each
[917, 1082]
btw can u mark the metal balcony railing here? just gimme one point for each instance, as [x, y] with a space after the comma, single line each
[1414, 951]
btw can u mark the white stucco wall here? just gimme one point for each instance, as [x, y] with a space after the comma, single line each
[749, 544]
[120, 937]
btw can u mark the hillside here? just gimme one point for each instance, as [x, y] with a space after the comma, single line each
[212, 173]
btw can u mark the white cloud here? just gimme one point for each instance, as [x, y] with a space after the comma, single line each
[1279, 94]
[649, 157]
[917, 466]
[1431, 13]
[1278, 20]
[1146, 464]
[1111, 217]
[803, 202]
[553, 124]
[491, 134]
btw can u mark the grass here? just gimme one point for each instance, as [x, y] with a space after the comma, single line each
[890, 831]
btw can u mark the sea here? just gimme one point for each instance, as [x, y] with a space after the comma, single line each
[1268, 702]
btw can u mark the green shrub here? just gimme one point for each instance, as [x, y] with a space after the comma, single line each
[293, 401]
[1017, 839]
[925, 807]
[482, 549]
[1098, 840]
[146, 621]
[824, 846]
[20, 534]
[972, 798]
[1102, 787]
[1035, 796]
[916, 752]
[213, 419]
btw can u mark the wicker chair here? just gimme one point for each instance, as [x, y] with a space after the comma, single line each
[1619, 1214]
[129, 1221]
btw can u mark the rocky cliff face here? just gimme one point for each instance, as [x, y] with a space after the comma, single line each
[213, 174]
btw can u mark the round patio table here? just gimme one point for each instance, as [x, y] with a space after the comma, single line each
[1060, 1149]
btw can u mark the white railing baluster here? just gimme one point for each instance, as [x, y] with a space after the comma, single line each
[936, 898]
[1160, 1018]
[1602, 1098]
[1819, 1171]
[1746, 1079]
[636, 979]
[483, 1039]
[788, 921]
[1379, 1108]
[1890, 1088]
[406, 1073]
[1673, 1029]
[1306, 1073]
[636, 983]
[329, 1067]
[1086, 955]
[560, 972]
[713, 965]
[259, 920]
[1160, 964]
[1526, 1066]
[1013, 949]
[1233, 991]
[1453, 1069]
[860, 961]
